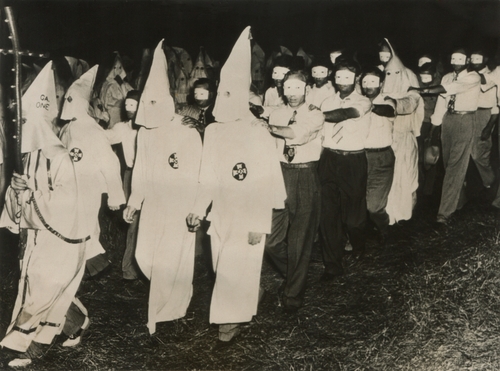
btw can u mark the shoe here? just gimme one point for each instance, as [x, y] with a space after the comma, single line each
[441, 219]
[20, 362]
[327, 276]
[290, 309]
[76, 338]
[220, 345]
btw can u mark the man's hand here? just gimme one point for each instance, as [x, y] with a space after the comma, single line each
[19, 183]
[129, 213]
[193, 222]
[254, 238]
[257, 111]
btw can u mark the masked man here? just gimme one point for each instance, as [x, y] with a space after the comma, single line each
[299, 147]
[240, 175]
[379, 154]
[343, 170]
[456, 113]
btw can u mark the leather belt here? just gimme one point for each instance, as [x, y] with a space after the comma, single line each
[484, 108]
[377, 149]
[461, 112]
[345, 153]
[303, 165]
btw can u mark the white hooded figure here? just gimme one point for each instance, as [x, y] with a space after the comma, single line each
[96, 165]
[409, 117]
[114, 90]
[44, 206]
[241, 176]
[199, 69]
[164, 183]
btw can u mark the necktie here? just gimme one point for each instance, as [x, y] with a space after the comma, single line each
[451, 102]
[289, 152]
[201, 118]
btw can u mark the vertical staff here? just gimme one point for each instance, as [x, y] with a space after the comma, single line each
[9, 19]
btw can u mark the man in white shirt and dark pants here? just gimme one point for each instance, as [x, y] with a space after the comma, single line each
[293, 229]
[456, 112]
[343, 170]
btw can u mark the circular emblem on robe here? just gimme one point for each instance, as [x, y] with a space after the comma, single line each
[76, 154]
[240, 171]
[173, 161]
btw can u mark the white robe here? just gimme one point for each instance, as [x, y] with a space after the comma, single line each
[97, 169]
[409, 116]
[241, 175]
[51, 268]
[164, 184]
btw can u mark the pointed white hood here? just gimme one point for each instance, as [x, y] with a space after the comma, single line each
[235, 80]
[76, 101]
[39, 105]
[157, 105]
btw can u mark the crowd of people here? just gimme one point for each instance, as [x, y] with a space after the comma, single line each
[327, 152]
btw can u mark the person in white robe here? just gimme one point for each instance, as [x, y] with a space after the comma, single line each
[43, 205]
[164, 184]
[241, 177]
[409, 115]
[96, 165]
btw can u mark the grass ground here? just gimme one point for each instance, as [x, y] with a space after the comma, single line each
[429, 300]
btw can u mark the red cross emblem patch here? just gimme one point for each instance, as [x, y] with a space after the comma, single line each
[173, 161]
[240, 171]
[76, 154]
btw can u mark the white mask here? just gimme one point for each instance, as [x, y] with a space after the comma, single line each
[426, 78]
[334, 56]
[131, 105]
[423, 61]
[384, 56]
[458, 59]
[294, 87]
[476, 59]
[370, 81]
[319, 72]
[279, 72]
[344, 77]
[201, 94]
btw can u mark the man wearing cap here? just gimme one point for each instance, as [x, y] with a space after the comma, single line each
[199, 114]
[124, 133]
[241, 177]
[379, 154]
[486, 117]
[343, 170]
[44, 207]
[322, 87]
[455, 112]
[293, 230]
[273, 98]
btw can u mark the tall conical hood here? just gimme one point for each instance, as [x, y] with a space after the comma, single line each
[117, 69]
[258, 63]
[157, 105]
[307, 58]
[235, 79]
[398, 78]
[199, 70]
[78, 66]
[40, 111]
[185, 58]
[76, 101]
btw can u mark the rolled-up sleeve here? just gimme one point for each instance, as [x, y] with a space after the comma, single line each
[306, 127]
[461, 86]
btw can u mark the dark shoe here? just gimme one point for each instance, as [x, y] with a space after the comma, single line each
[290, 309]
[328, 276]
[76, 338]
[220, 345]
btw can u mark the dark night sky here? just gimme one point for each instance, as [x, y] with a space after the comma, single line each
[93, 29]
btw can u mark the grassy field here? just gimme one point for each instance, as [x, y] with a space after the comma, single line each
[429, 300]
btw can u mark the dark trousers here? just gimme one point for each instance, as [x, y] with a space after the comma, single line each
[380, 174]
[343, 207]
[293, 230]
